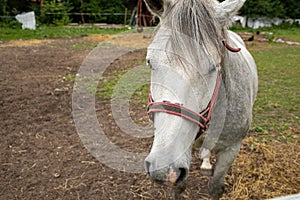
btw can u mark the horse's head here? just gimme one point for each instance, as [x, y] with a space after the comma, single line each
[185, 58]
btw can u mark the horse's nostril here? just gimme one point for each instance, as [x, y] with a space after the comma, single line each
[182, 176]
[147, 166]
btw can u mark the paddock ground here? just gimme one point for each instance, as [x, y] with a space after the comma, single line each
[42, 156]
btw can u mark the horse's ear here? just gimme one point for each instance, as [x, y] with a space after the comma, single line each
[227, 9]
[156, 7]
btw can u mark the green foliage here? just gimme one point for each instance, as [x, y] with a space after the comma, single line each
[56, 12]
[117, 6]
[9, 23]
[271, 8]
[93, 7]
[292, 8]
[4, 8]
[258, 8]
[10, 8]
[13, 7]
[61, 10]
[94, 11]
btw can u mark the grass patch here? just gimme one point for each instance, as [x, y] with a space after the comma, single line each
[277, 108]
[108, 89]
[125, 79]
[290, 32]
[7, 33]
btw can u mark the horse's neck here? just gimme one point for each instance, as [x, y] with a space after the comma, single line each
[240, 76]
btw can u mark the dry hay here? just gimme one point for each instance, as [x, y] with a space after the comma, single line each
[25, 43]
[133, 40]
[264, 171]
[97, 37]
[39, 42]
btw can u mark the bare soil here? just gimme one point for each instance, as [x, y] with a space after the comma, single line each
[42, 156]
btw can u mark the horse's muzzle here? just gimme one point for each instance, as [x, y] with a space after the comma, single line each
[169, 175]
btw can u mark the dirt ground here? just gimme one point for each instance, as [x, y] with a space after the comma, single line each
[42, 156]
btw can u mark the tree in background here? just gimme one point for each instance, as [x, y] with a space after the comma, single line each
[14, 7]
[94, 8]
[292, 8]
[259, 8]
[10, 8]
[91, 10]
[4, 9]
[116, 6]
[60, 9]
[56, 12]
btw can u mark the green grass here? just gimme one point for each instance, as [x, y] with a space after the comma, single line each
[288, 32]
[7, 33]
[124, 79]
[106, 88]
[283, 31]
[277, 108]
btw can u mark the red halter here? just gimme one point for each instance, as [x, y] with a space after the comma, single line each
[203, 118]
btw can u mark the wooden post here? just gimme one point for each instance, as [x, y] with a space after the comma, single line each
[41, 6]
[82, 17]
[125, 17]
[141, 13]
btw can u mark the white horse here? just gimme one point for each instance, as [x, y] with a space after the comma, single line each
[198, 80]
